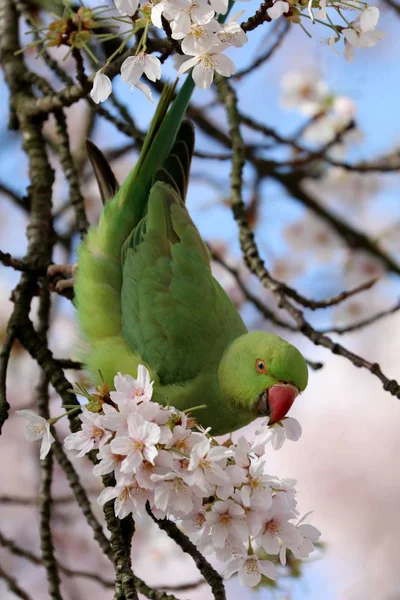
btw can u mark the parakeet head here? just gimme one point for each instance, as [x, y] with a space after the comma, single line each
[261, 372]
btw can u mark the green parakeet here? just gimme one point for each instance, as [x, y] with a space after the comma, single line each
[145, 294]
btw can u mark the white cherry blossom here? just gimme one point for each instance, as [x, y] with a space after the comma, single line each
[92, 435]
[181, 440]
[132, 69]
[250, 568]
[311, 232]
[173, 494]
[257, 490]
[355, 38]
[109, 463]
[362, 267]
[129, 498]
[200, 38]
[277, 529]
[127, 387]
[287, 429]
[232, 33]
[195, 523]
[184, 13]
[309, 534]
[102, 88]
[204, 65]
[140, 445]
[226, 519]
[37, 428]
[233, 548]
[163, 463]
[241, 452]
[206, 466]
[160, 415]
[117, 420]
[305, 91]
[236, 477]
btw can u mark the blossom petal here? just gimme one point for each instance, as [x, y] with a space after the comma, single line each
[278, 9]
[220, 6]
[126, 7]
[348, 51]
[30, 415]
[203, 75]
[224, 65]
[132, 69]
[268, 569]
[352, 37]
[370, 38]
[121, 445]
[145, 90]
[331, 43]
[152, 70]
[109, 493]
[47, 440]
[292, 429]
[249, 573]
[156, 14]
[188, 64]
[369, 18]
[101, 89]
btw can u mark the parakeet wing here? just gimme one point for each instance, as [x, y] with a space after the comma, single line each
[174, 313]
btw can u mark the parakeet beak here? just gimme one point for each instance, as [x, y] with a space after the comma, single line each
[276, 401]
[280, 400]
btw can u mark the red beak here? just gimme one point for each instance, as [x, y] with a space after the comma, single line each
[280, 399]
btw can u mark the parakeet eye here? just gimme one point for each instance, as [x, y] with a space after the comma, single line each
[261, 367]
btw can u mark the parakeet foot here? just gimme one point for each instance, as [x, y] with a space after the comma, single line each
[62, 277]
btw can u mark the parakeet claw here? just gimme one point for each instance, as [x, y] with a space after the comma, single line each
[62, 284]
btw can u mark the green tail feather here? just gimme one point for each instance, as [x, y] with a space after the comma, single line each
[99, 279]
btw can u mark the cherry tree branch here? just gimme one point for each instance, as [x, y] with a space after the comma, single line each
[256, 265]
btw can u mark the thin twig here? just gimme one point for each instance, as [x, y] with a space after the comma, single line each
[363, 323]
[261, 16]
[16, 198]
[153, 594]
[327, 302]
[13, 585]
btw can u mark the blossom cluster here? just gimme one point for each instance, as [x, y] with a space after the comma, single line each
[204, 39]
[220, 493]
[360, 32]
